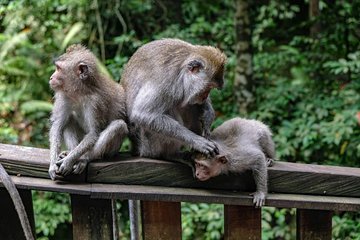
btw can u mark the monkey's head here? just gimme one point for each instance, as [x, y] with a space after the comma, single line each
[75, 70]
[208, 167]
[204, 70]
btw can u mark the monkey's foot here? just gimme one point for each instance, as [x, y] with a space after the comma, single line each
[80, 166]
[63, 154]
[53, 169]
[259, 198]
[65, 166]
[269, 162]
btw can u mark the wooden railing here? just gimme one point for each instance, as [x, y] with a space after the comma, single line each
[315, 191]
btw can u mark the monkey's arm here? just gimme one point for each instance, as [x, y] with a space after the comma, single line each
[67, 163]
[166, 125]
[207, 117]
[87, 143]
[59, 119]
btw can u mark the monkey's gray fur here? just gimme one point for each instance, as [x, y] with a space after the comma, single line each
[88, 114]
[167, 84]
[243, 145]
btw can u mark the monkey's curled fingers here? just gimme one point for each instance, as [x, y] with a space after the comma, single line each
[259, 199]
[205, 146]
[65, 166]
[53, 169]
[80, 166]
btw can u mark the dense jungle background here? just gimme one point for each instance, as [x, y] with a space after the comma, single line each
[295, 65]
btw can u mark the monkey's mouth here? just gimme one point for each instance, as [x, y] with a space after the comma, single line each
[202, 179]
[203, 96]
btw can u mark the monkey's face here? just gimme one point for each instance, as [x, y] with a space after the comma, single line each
[69, 76]
[202, 170]
[206, 168]
[57, 78]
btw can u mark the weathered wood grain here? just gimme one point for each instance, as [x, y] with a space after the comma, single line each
[92, 218]
[26, 161]
[161, 220]
[242, 222]
[172, 194]
[123, 169]
[313, 224]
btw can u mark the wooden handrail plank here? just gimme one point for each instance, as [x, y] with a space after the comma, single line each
[122, 169]
[34, 183]
[172, 194]
[159, 193]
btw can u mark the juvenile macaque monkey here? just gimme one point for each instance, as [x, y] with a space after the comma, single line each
[243, 145]
[88, 114]
[168, 84]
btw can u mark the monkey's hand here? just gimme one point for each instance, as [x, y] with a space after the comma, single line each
[53, 169]
[65, 165]
[259, 198]
[205, 146]
[80, 166]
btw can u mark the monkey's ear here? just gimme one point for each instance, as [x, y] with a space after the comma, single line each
[83, 71]
[194, 66]
[222, 159]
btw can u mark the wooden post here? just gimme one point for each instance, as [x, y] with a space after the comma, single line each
[161, 220]
[242, 222]
[92, 218]
[313, 224]
[10, 226]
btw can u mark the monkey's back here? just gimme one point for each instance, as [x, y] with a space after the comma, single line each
[239, 132]
[156, 62]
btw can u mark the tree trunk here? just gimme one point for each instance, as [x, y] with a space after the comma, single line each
[314, 12]
[243, 85]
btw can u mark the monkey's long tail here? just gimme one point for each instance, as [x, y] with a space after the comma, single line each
[19, 206]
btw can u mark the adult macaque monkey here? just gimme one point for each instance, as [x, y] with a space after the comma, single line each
[243, 145]
[88, 114]
[168, 84]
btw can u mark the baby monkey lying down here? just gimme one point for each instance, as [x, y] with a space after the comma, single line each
[243, 145]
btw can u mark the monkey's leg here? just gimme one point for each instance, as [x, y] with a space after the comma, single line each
[56, 138]
[260, 176]
[169, 127]
[108, 143]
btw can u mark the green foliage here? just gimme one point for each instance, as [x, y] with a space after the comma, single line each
[346, 226]
[51, 210]
[202, 221]
[307, 87]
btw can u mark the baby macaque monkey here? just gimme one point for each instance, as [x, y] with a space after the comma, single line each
[88, 114]
[243, 145]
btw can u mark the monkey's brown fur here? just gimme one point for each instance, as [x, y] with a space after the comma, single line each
[167, 84]
[88, 114]
[243, 145]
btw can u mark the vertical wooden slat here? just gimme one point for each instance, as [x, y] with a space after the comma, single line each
[242, 222]
[313, 224]
[161, 220]
[10, 226]
[92, 218]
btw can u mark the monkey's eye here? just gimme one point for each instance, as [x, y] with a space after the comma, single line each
[58, 68]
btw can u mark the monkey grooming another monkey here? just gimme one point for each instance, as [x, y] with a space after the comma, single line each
[243, 145]
[88, 114]
[168, 84]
